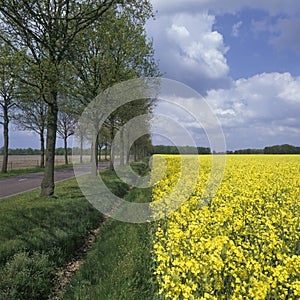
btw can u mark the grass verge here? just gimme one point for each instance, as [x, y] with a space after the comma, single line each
[16, 172]
[38, 235]
[119, 265]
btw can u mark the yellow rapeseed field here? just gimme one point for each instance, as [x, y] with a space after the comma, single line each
[243, 243]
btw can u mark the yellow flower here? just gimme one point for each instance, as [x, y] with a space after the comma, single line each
[243, 244]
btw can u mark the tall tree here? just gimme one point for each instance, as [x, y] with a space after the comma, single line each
[9, 62]
[117, 51]
[47, 29]
[32, 115]
[66, 128]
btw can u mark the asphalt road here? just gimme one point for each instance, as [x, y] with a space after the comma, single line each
[11, 186]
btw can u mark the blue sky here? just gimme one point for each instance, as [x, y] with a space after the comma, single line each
[243, 57]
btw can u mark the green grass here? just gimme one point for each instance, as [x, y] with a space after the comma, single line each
[41, 234]
[16, 172]
[119, 265]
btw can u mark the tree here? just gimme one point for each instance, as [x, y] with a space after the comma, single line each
[31, 111]
[47, 29]
[117, 51]
[66, 128]
[9, 63]
[103, 140]
[32, 116]
[142, 147]
[281, 149]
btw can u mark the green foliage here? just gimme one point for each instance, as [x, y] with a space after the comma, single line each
[141, 167]
[248, 151]
[73, 50]
[276, 149]
[26, 277]
[38, 235]
[163, 149]
[23, 151]
[282, 149]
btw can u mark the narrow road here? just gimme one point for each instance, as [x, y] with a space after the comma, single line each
[11, 186]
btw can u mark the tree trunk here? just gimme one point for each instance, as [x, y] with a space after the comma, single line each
[81, 148]
[128, 149]
[94, 171]
[66, 150]
[122, 159]
[42, 141]
[100, 152]
[48, 180]
[112, 154]
[106, 145]
[5, 135]
[135, 153]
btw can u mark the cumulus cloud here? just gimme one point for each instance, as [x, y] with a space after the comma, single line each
[197, 45]
[190, 50]
[262, 108]
[254, 112]
[284, 31]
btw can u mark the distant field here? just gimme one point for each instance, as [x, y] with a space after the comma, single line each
[31, 161]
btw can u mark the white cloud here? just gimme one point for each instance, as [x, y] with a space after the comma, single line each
[236, 29]
[178, 31]
[189, 50]
[262, 108]
[254, 112]
[284, 32]
[291, 91]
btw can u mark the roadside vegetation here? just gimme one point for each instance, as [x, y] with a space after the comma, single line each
[16, 172]
[119, 265]
[40, 235]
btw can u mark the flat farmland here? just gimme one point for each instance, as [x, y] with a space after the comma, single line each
[31, 161]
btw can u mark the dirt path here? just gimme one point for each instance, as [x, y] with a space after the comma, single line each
[64, 276]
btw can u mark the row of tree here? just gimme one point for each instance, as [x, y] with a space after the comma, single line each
[276, 149]
[282, 149]
[56, 56]
[163, 149]
[58, 151]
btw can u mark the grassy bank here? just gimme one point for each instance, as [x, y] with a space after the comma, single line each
[118, 267]
[39, 235]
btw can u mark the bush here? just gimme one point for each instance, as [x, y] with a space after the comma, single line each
[27, 277]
